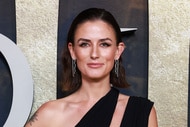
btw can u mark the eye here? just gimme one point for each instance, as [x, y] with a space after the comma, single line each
[105, 44]
[84, 44]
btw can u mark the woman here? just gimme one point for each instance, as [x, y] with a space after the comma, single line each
[92, 70]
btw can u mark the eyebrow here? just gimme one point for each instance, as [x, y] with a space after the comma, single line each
[105, 39]
[88, 40]
[83, 39]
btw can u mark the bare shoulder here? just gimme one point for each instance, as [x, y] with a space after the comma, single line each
[46, 114]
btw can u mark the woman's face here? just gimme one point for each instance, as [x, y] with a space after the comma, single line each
[95, 49]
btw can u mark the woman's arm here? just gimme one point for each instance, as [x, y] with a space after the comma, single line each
[152, 122]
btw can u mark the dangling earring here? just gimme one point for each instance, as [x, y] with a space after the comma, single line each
[117, 68]
[73, 67]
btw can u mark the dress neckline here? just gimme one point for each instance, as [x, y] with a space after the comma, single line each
[102, 111]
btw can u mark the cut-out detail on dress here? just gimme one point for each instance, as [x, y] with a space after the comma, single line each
[100, 115]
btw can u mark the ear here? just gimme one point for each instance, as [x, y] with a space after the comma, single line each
[71, 50]
[120, 49]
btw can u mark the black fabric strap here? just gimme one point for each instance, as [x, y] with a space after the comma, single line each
[100, 115]
[137, 112]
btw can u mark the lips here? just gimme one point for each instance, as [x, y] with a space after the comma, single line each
[95, 65]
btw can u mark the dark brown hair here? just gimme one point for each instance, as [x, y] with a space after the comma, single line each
[70, 83]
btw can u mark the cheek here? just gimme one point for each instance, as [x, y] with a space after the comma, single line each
[109, 55]
[81, 54]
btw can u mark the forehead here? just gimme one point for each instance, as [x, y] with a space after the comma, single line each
[93, 27]
[95, 21]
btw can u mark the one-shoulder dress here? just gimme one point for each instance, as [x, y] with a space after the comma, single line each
[100, 115]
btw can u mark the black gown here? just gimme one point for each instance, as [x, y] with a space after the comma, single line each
[100, 115]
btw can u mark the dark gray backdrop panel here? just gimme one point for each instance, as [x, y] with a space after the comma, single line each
[128, 13]
[7, 28]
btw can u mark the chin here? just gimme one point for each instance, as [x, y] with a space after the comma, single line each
[96, 76]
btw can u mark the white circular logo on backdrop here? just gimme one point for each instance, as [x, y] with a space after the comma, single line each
[22, 83]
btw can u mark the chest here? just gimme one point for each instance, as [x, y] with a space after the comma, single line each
[96, 114]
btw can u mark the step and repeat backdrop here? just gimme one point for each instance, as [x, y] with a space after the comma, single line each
[33, 34]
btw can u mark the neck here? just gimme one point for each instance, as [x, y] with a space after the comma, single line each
[91, 90]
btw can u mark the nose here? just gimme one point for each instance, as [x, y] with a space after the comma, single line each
[94, 52]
